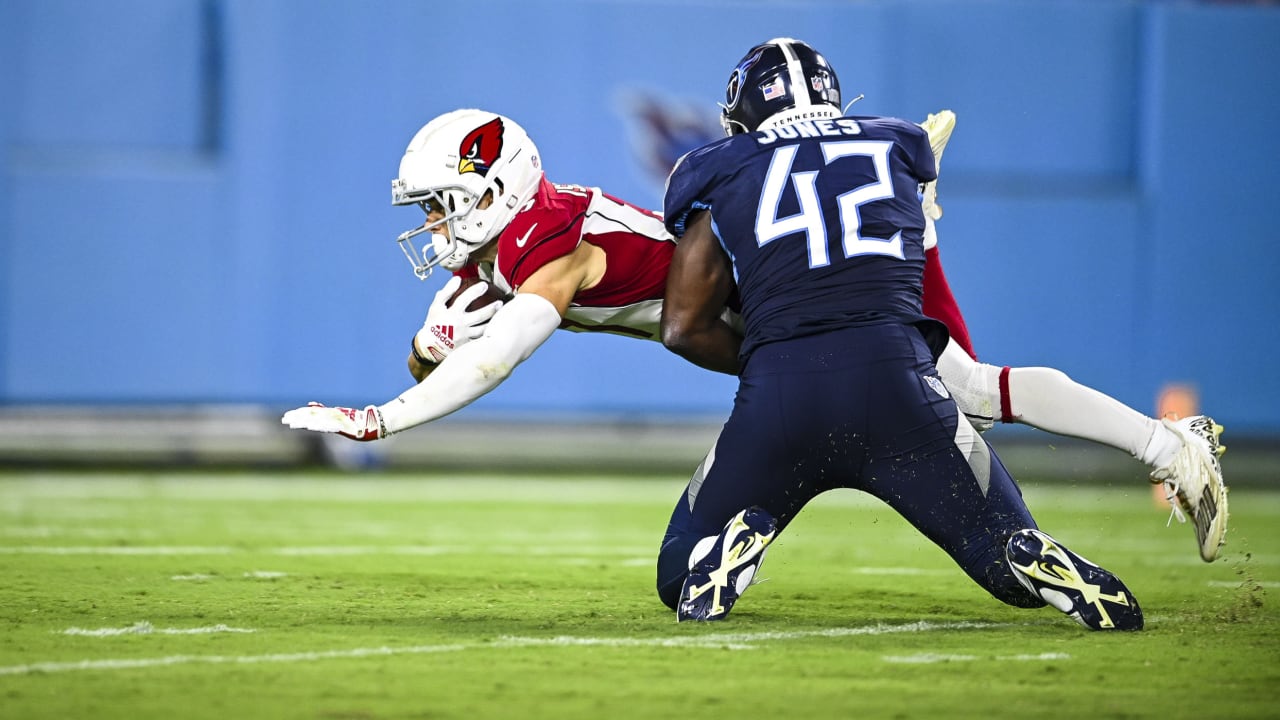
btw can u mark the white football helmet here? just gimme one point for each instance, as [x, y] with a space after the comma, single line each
[449, 167]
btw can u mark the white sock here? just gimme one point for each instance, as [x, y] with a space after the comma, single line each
[1164, 446]
[1047, 399]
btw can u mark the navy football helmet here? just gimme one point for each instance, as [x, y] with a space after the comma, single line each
[779, 82]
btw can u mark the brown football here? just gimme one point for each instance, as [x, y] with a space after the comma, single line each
[491, 294]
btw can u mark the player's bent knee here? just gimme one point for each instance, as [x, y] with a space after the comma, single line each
[673, 568]
[974, 386]
[999, 580]
[1013, 593]
[991, 570]
[1043, 377]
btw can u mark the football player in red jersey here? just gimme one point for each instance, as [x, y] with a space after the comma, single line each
[568, 256]
[576, 258]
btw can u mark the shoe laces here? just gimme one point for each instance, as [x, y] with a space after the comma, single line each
[1183, 469]
[1171, 495]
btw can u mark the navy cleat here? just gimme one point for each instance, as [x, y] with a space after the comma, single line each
[1088, 594]
[722, 566]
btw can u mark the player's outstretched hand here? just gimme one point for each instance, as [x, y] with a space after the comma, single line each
[358, 424]
[452, 321]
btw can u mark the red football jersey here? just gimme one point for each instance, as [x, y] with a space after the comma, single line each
[940, 303]
[628, 299]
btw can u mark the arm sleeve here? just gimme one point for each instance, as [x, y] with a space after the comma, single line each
[519, 328]
[926, 165]
[686, 187]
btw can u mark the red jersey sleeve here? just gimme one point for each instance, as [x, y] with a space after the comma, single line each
[550, 228]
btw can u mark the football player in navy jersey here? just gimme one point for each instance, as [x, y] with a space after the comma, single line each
[815, 219]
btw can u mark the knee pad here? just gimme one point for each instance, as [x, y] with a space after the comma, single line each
[973, 385]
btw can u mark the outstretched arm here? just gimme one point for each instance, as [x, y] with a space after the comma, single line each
[519, 328]
[698, 285]
[463, 377]
[471, 370]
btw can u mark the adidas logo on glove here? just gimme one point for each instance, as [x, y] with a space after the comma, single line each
[443, 333]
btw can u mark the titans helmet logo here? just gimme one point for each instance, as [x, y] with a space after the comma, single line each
[663, 129]
[734, 90]
[481, 148]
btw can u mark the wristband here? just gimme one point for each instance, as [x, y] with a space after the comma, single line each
[382, 426]
[413, 346]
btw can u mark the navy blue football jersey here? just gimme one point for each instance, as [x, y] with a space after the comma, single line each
[820, 218]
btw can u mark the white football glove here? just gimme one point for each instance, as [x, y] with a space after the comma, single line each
[358, 424]
[939, 126]
[448, 327]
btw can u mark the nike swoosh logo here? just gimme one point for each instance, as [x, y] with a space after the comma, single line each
[521, 241]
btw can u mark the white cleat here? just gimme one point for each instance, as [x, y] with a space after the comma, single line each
[939, 126]
[1193, 482]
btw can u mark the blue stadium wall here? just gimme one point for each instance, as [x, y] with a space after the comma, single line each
[194, 194]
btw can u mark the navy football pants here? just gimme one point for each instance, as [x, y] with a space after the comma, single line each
[856, 408]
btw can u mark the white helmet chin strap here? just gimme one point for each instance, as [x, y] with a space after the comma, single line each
[453, 255]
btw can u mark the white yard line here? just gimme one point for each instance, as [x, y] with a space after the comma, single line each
[576, 552]
[253, 574]
[146, 628]
[930, 658]
[328, 550]
[1242, 583]
[900, 571]
[717, 641]
[52, 531]
[116, 550]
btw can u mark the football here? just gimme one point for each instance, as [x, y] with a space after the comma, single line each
[491, 294]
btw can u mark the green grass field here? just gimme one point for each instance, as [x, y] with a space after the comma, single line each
[466, 596]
